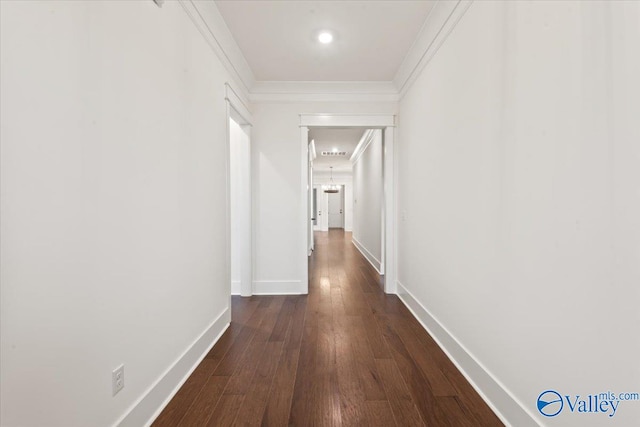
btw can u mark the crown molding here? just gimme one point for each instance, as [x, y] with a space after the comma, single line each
[377, 121]
[210, 23]
[366, 139]
[442, 19]
[239, 105]
[323, 91]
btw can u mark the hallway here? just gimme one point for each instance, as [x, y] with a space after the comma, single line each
[346, 354]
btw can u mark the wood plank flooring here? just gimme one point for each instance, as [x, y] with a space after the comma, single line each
[344, 355]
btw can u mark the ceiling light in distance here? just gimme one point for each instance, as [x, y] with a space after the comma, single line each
[325, 37]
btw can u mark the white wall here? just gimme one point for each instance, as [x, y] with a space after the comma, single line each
[519, 172]
[276, 162]
[367, 200]
[113, 203]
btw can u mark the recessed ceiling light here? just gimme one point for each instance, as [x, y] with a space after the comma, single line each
[335, 150]
[325, 37]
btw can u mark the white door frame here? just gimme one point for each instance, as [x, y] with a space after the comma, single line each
[321, 206]
[312, 157]
[237, 111]
[385, 122]
[342, 206]
[347, 186]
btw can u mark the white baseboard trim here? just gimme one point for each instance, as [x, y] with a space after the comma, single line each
[375, 262]
[506, 406]
[147, 408]
[278, 287]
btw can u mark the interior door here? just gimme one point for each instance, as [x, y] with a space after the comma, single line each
[336, 209]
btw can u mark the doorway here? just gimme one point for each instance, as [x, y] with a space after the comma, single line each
[239, 220]
[335, 209]
[319, 209]
[386, 124]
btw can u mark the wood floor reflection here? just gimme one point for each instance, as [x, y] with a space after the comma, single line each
[344, 355]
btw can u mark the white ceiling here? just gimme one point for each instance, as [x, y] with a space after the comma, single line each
[326, 139]
[278, 38]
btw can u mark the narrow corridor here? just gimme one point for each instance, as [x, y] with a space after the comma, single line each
[346, 354]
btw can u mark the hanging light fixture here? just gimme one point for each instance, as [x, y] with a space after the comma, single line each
[332, 187]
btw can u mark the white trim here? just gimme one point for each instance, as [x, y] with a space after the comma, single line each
[311, 153]
[347, 120]
[371, 121]
[442, 19]
[227, 206]
[305, 214]
[375, 262]
[208, 20]
[319, 87]
[322, 91]
[236, 112]
[147, 408]
[322, 206]
[506, 406]
[389, 209]
[298, 98]
[277, 287]
[238, 104]
[366, 139]
[210, 23]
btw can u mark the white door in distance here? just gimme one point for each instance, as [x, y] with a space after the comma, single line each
[336, 209]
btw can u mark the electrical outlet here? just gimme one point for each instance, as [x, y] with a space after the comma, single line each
[117, 379]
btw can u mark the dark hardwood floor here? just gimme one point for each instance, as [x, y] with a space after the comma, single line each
[346, 354]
